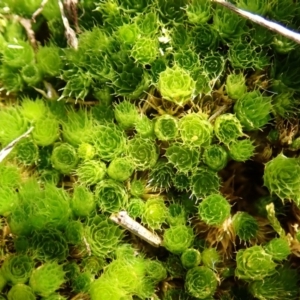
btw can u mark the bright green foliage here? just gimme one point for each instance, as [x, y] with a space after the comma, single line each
[49, 60]
[17, 268]
[86, 151]
[201, 282]
[137, 187]
[279, 249]
[245, 226]
[136, 207]
[82, 202]
[258, 7]
[120, 168]
[241, 150]
[77, 128]
[91, 172]
[166, 127]
[8, 200]
[55, 296]
[47, 278]
[27, 152]
[71, 269]
[253, 110]
[109, 141]
[103, 236]
[147, 23]
[34, 110]
[9, 176]
[160, 176]
[12, 124]
[21, 291]
[195, 130]
[145, 127]
[198, 11]
[46, 131]
[178, 238]
[176, 85]
[235, 85]
[184, 158]
[82, 282]
[50, 244]
[126, 114]
[282, 285]
[282, 177]
[228, 128]
[39, 208]
[31, 74]
[191, 258]
[214, 210]
[176, 215]
[143, 152]
[145, 50]
[155, 213]
[64, 158]
[111, 196]
[17, 55]
[210, 257]
[254, 263]
[155, 270]
[74, 232]
[204, 182]
[215, 157]
[229, 25]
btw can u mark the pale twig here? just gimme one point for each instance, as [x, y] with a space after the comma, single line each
[87, 245]
[261, 21]
[122, 219]
[29, 31]
[6, 150]
[69, 32]
[39, 10]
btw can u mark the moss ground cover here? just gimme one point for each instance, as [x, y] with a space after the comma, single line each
[179, 112]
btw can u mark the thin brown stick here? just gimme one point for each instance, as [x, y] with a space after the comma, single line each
[261, 21]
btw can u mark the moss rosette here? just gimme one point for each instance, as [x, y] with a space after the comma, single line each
[228, 128]
[184, 158]
[166, 127]
[103, 237]
[17, 268]
[111, 196]
[64, 158]
[254, 264]
[253, 110]
[178, 238]
[245, 226]
[282, 177]
[176, 85]
[143, 152]
[109, 142]
[201, 282]
[155, 213]
[214, 209]
[204, 182]
[195, 130]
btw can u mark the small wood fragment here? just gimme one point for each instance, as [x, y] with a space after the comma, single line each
[122, 219]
